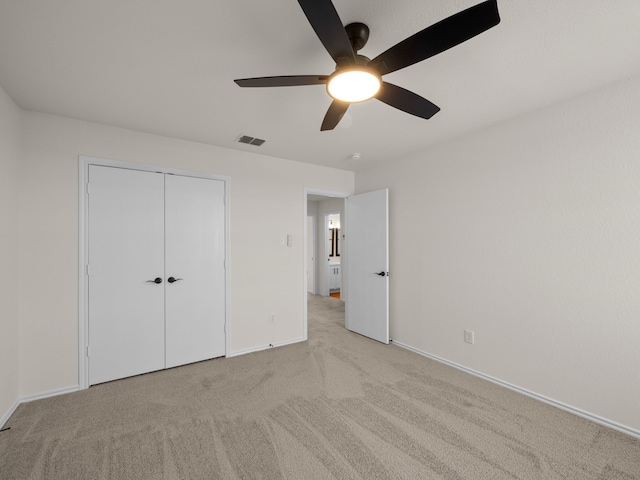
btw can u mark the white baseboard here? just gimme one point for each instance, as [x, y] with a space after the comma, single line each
[6, 416]
[51, 393]
[265, 347]
[75, 388]
[563, 406]
[36, 396]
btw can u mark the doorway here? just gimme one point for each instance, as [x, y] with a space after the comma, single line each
[333, 245]
[364, 259]
[328, 212]
[329, 241]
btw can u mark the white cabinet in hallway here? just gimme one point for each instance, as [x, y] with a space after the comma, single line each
[335, 278]
[156, 249]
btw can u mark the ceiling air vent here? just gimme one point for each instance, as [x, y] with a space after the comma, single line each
[250, 140]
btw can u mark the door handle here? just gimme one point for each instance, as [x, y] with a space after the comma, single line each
[157, 280]
[172, 280]
[382, 274]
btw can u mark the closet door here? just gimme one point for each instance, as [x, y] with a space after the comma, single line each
[126, 255]
[194, 268]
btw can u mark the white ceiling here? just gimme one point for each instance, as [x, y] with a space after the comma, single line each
[167, 67]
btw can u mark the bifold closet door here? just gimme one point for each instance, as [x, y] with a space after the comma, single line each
[194, 268]
[126, 256]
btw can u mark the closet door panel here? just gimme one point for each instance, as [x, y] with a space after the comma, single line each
[195, 254]
[126, 251]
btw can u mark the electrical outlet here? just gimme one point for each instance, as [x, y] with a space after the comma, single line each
[272, 318]
[469, 336]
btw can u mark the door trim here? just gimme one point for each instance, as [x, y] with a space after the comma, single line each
[83, 239]
[314, 219]
[325, 193]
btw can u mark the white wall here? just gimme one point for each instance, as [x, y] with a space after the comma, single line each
[264, 276]
[527, 233]
[10, 141]
[312, 207]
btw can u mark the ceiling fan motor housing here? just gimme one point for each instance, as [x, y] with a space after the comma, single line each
[358, 34]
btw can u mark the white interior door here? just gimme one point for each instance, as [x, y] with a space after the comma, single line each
[367, 259]
[126, 255]
[195, 256]
[156, 278]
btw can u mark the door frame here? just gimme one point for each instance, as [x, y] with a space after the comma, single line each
[343, 261]
[83, 248]
[314, 222]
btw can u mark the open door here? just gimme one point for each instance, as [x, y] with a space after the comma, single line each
[367, 256]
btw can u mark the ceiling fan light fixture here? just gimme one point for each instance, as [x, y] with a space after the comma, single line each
[357, 78]
[354, 84]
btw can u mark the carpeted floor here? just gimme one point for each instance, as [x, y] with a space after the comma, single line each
[339, 406]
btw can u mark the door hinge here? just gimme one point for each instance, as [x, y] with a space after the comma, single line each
[87, 188]
[88, 351]
[87, 269]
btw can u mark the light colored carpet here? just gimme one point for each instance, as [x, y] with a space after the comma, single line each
[338, 406]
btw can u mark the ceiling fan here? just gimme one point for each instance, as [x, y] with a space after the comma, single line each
[357, 78]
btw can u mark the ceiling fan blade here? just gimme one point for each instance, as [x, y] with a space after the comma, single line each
[406, 101]
[325, 21]
[438, 37]
[336, 111]
[283, 81]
